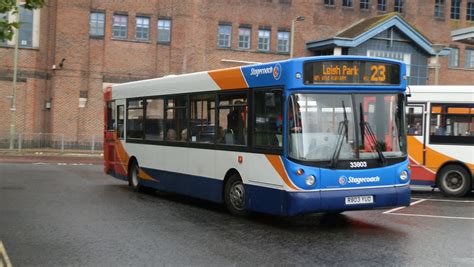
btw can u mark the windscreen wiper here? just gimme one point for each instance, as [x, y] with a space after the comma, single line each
[343, 127]
[374, 143]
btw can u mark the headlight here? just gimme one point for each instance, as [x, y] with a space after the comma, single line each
[404, 175]
[310, 180]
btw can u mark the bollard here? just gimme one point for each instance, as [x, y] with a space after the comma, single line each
[93, 143]
[19, 142]
[62, 143]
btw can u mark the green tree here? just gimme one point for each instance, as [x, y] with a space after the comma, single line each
[6, 6]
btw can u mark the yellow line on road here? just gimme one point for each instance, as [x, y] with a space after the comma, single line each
[4, 260]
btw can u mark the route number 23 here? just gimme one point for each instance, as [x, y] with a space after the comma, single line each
[378, 73]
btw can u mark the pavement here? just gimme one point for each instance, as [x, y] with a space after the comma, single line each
[50, 156]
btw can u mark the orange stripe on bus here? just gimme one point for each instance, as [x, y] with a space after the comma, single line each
[275, 160]
[434, 159]
[228, 78]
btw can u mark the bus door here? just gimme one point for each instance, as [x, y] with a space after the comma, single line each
[416, 138]
[110, 136]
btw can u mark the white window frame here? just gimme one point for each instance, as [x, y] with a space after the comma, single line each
[264, 40]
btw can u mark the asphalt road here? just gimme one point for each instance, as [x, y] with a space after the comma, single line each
[56, 215]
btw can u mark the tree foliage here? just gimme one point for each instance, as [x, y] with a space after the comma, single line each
[7, 6]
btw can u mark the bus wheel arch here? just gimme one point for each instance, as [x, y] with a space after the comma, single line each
[132, 173]
[234, 193]
[454, 179]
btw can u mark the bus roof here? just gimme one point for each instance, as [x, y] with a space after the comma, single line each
[278, 73]
[444, 93]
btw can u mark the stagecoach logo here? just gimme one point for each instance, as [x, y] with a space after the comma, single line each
[275, 71]
[342, 180]
[358, 180]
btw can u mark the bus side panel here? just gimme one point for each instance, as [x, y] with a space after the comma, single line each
[420, 174]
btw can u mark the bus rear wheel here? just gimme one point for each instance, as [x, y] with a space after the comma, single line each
[133, 176]
[234, 196]
[454, 181]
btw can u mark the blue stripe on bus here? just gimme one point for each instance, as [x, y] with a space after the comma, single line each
[275, 201]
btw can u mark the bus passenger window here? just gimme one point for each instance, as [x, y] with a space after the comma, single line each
[154, 120]
[176, 121]
[135, 119]
[233, 115]
[202, 122]
[414, 120]
[268, 127]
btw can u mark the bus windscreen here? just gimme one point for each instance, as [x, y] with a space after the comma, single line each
[351, 72]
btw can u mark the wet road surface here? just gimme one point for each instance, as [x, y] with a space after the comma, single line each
[71, 214]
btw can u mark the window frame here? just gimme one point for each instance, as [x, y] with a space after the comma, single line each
[382, 5]
[470, 11]
[439, 9]
[455, 13]
[364, 4]
[94, 29]
[288, 40]
[248, 42]
[453, 58]
[398, 6]
[329, 3]
[166, 27]
[423, 117]
[260, 41]
[141, 28]
[221, 34]
[120, 27]
[348, 3]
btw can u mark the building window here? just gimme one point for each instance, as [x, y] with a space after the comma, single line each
[382, 5]
[470, 11]
[347, 3]
[233, 117]
[26, 29]
[455, 9]
[283, 42]
[164, 30]
[244, 38]
[119, 26]
[329, 2]
[454, 57]
[268, 121]
[224, 36]
[364, 4]
[264, 40]
[469, 58]
[398, 6]
[439, 9]
[97, 24]
[142, 28]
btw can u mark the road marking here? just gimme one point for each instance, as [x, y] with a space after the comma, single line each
[4, 260]
[431, 216]
[399, 208]
[447, 200]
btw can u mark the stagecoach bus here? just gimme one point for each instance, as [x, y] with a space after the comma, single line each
[315, 134]
[441, 137]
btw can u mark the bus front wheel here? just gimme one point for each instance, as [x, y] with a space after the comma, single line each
[133, 176]
[454, 181]
[234, 196]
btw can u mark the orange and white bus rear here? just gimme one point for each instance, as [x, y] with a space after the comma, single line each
[441, 137]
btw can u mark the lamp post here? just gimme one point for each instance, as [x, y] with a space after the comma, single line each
[15, 71]
[293, 21]
[437, 49]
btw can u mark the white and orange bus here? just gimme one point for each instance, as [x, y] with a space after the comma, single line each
[289, 137]
[441, 137]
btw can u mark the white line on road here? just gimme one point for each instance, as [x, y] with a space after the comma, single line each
[446, 200]
[4, 256]
[399, 208]
[431, 216]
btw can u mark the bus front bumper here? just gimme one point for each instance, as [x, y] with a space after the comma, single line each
[335, 200]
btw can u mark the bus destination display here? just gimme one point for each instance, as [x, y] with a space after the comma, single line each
[351, 72]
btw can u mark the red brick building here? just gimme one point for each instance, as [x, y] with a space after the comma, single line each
[70, 50]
